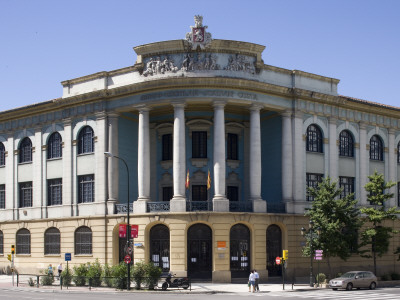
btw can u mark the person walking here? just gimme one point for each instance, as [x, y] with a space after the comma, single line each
[50, 270]
[60, 269]
[256, 281]
[251, 281]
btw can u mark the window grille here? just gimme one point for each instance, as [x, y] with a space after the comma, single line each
[86, 189]
[376, 148]
[25, 194]
[54, 146]
[346, 144]
[2, 155]
[25, 151]
[199, 144]
[23, 241]
[347, 183]
[52, 241]
[86, 140]
[312, 182]
[83, 240]
[314, 139]
[54, 192]
[2, 196]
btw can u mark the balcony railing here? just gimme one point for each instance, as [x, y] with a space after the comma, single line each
[241, 206]
[158, 206]
[123, 208]
[276, 208]
[199, 206]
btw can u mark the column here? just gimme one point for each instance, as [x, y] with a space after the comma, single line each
[11, 203]
[113, 163]
[140, 206]
[392, 165]
[363, 164]
[333, 150]
[101, 159]
[298, 163]
[220, 202]
[259, 205]
[67, 177]
[37, 201]
[178, 201]
[287, 161]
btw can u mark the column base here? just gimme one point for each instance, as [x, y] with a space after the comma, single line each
[140, 205]
[220, 204]
[259, 205]
[177, 204]
[111, 206]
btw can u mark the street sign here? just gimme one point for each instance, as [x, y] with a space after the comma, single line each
[318, 257]
[129, 250]
[319, 251]
[278, 260]
[127, 259]
[67, 256]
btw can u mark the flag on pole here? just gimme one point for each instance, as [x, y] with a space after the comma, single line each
[208, 180]
[187, 184]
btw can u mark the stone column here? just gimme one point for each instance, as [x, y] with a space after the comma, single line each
[113, 163]
[140, 206]
[11, 201]
[259, 205]
[178, 201]
[298, 163]
[220, 202]
[333, 150]
[67, 177]
[363, 164]
[287, 161]
[392, 165]
[38, 201]
[101, 160]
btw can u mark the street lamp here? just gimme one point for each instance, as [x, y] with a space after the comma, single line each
[311, 233]
[128, 227]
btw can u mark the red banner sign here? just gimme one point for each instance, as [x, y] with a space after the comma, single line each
[134, 231]
[122, 230]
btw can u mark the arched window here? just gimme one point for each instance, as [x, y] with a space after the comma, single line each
[2, 155]
[346, 144]
[398, 153]
[25, 150]
[159, 246]
[52, 241]
[1, 242]
[375, 148]
[83, 240]
[314, 139]
[86, 140]
[23, 241]
[54, 146]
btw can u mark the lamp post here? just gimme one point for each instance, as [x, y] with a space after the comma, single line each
[128, 227]
[311, 233]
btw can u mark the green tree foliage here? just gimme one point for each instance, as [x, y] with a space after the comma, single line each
[94, 271]
[375, 237]
[80, 273]
[337, 218]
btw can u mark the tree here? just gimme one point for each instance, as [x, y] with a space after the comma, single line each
[375, 237]
[338, 220]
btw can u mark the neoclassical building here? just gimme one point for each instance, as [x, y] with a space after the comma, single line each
[212, 148]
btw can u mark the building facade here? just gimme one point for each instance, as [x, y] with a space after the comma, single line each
[213, 148]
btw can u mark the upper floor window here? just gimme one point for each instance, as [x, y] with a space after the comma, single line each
[347, 184]
[398, 194]
[54, 146]
[346, 144]
[199, 192]
[314, 139]
[1, 242]
[232, 193]
[25, 150]
[398, 153]
[83, 240]
[232, 146]
[2, 155]
[54, 191]
[375, 148]
[167, 193]
[25, 194]
[52, 241]
[86, 188]
[2, 196]
[167, 147]
[23, 241]
[86, 140]
[312, 181]
[199, 144]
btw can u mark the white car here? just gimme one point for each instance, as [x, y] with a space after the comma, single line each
[354, 279]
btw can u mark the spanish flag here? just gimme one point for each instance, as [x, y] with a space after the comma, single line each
[208, 180]
[187, 184]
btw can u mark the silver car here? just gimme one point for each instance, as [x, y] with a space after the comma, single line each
[354, 279]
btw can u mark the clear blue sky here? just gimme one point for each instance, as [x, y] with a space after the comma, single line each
[46, 42]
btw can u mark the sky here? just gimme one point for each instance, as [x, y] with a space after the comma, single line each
[45, 42]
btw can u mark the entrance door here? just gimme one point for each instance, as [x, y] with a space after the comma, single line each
[274, 249]
[199, 252]
[240, 251]
[159, 247]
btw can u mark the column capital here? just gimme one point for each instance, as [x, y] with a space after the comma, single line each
[391, 130]
[113, 115]
[332, 120]
[286, 113]
[178, 103]
[67, 121]
[219, 103]
[256, 107]
[362, 125]
[142, 108]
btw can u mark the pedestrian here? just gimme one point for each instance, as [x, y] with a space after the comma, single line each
[50, 270]
[256, 281]
[60, 269]
[251, 281]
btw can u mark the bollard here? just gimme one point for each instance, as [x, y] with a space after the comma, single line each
[17, 279]
[61, 280]
[37, 280]
[90, 284]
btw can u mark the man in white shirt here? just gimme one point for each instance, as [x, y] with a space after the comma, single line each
[256, 281]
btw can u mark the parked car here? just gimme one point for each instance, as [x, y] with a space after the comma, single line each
[354, 279]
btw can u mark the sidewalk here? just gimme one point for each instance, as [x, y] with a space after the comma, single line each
[196, 288]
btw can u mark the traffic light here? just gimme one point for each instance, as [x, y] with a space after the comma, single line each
[285, 254]
[12, 249]
[9, 257]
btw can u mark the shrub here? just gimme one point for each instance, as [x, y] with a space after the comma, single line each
[94, 271]
[31, 282]
[119, 276]
[47, 279]
[139, 271]
[106, 275]
[66, 276]
[321, 277]
[80, 274]
[152, 275]
[395, 276]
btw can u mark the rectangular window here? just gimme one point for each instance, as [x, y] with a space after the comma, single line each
[199, 192]
[1, 243]
[233, 146]
[233, 193]
[199, 144]
[25, 194]
[54, 192]
[86, 188]
[2, 196]
[398, 194]
[167, 193]
[347, 183]
[167, 147]
[312, 182]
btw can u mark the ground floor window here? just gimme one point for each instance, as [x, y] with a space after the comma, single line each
[159, 247]
[83, 240]
[52, 241]
[23, 241]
